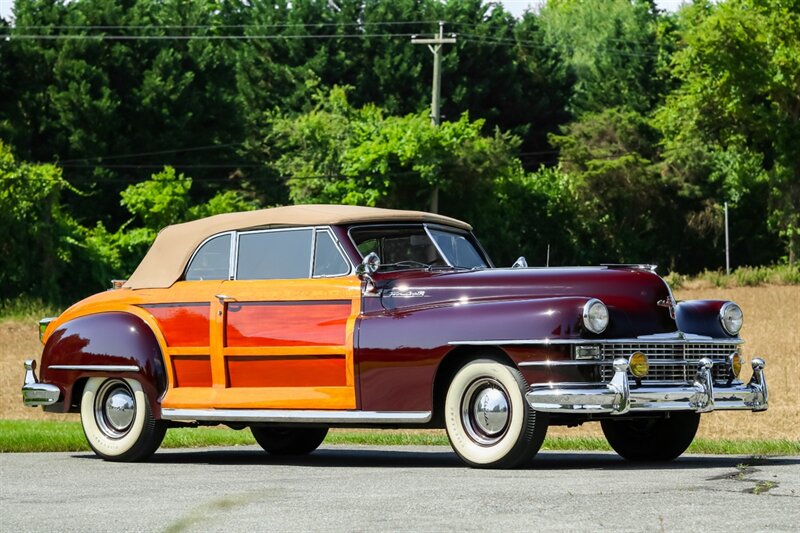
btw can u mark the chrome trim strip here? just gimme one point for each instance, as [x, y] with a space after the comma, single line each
[608, 362]
[563, 363]
[591, 341]
[96, 368]
[233, 252]
[297, 416]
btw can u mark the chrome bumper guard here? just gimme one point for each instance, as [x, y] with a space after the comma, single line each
[617, 398]
[35, 393]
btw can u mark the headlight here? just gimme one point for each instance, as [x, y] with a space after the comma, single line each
[731, 317]
[595, 316]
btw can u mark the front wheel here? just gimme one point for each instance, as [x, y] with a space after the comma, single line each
[117, 420]
[288, 441]
[489, 422]
[659, 439]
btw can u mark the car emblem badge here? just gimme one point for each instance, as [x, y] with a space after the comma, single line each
[669, 303]
[397, 293]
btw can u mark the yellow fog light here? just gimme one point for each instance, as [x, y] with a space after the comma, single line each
[638, 364]
[736, 364]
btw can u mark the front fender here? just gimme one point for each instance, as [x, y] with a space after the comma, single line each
[109, 339]
[399, 353]
[701, 317]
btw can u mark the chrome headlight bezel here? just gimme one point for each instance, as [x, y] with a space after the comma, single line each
[731, 317]
[595, 316]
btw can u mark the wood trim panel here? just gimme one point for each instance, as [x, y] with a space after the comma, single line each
[261, 397]
[281, 323]
[287, 371]
[183, 324]
[192, 370]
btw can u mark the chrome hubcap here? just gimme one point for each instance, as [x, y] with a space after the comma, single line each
[485, 411]
[114, 408]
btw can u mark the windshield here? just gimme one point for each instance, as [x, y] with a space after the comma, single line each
[417, 247]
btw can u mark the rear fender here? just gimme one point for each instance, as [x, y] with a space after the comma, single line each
[119, 344]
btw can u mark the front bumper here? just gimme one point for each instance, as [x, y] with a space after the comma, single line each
[617, 397]
[35, 393]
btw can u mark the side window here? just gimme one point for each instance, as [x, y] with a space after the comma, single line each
[328, 261]
[212, 260]
[275, 255]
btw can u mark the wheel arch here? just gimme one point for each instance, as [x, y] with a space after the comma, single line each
[451, 363]
[115, 339]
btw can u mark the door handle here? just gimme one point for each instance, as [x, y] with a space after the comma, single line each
[224, 298]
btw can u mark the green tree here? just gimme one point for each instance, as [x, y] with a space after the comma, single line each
[618, 54]
[734, 122]
[111, 110]
[340, 154]
[610, 156]
[38, 239]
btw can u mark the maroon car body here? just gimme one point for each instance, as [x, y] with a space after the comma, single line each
[441, 338]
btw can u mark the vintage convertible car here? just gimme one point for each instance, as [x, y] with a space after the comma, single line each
[293, 320]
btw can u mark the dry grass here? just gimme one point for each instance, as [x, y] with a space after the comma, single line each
[19, 341]
[771, 331]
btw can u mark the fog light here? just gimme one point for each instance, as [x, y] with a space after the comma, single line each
[638, 364]
[736, 364]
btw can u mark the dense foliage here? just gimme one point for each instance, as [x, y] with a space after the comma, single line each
[571, 133]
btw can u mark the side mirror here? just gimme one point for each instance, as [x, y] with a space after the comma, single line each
[368, 266]
[521, 262]
[364, 271]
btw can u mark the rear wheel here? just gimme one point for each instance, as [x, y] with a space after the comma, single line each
[288, 441]
[660, 439]
[488, 420]
[117, 420]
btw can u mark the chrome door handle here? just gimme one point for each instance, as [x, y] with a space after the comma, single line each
[224, 298]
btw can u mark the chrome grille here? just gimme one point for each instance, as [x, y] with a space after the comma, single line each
[671, 362]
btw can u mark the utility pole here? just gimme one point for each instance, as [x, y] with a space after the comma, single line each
[727, 244]
[435, 46]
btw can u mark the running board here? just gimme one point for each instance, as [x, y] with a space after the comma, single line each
[296, 416]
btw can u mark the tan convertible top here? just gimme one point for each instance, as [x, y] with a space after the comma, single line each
[166, 260]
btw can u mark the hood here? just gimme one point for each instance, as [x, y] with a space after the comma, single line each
[634, 296]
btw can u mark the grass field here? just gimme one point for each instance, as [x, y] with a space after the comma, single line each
[771, 331]
[67, 436]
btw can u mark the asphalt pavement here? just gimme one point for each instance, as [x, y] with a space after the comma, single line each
[354, 488]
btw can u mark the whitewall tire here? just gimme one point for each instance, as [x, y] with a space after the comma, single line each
[117, 420]
[488, 421]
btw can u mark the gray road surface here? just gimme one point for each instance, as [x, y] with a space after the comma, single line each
[355, 488]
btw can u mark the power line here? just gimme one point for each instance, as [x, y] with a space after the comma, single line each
[522, 43]
[79, 37]
[160, 152]
[240, 26]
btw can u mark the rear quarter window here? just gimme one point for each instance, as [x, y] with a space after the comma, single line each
[212, 260]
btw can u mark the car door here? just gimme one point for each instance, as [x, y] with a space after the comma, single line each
[282, 330]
